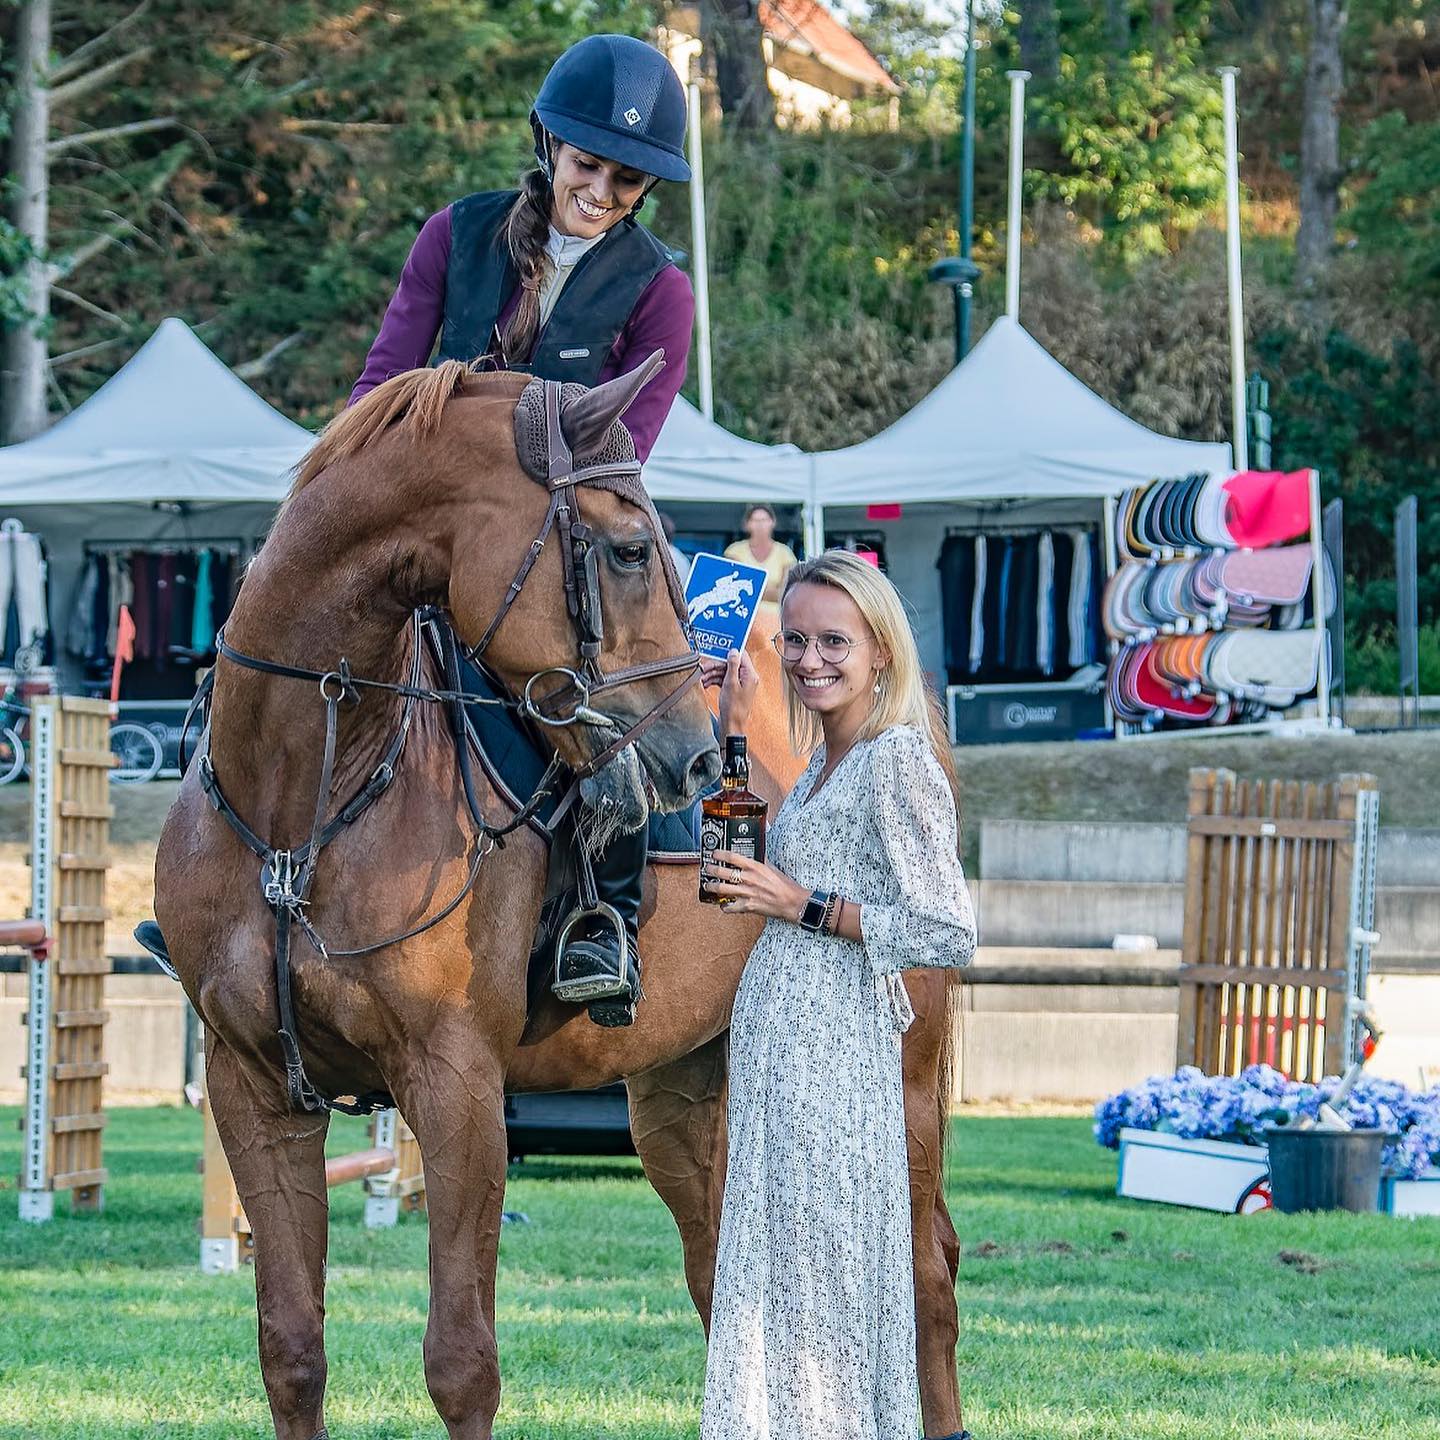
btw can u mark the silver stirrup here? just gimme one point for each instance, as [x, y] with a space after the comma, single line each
[579, 991]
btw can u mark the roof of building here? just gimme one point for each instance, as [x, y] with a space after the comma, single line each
[807, 25]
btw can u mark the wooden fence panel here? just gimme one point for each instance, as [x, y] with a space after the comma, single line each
[1277, 890]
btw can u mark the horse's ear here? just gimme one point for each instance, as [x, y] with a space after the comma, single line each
[586, 420]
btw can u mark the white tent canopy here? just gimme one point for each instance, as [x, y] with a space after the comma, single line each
[174, 424]
[1008, 423]
[696, 459]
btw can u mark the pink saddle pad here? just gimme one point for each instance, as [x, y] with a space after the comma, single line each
[1271, 577]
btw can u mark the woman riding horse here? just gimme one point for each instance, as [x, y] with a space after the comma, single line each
[559, 280]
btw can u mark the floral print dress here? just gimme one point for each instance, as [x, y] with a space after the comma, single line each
[813, 1323]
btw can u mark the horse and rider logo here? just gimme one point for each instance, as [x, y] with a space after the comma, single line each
[721, 597]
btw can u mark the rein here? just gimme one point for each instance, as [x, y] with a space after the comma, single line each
[287, 875]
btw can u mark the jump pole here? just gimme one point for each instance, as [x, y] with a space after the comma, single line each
[65, 1065]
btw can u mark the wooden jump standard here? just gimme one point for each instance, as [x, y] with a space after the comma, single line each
[70, 814]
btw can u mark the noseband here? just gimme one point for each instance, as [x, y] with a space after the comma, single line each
[286, 876]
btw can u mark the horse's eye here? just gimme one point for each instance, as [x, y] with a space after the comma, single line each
[632, 556]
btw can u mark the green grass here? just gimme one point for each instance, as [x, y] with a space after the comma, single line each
[1084, 1317]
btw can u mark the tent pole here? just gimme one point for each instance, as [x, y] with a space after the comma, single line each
[1017, 79]
[1232, 257]
[700, 262]
[1107, 549]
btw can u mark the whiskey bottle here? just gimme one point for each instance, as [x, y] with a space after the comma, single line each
[734, 819]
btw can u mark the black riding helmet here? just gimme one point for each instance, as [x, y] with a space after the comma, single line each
[618, 98]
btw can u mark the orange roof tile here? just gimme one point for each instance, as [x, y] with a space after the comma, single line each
[817, 30]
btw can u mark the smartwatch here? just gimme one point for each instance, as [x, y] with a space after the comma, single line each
[812, 917]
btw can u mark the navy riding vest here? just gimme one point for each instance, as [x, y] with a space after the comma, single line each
[594, 305]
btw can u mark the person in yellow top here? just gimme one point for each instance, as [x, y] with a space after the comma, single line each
[760, 547]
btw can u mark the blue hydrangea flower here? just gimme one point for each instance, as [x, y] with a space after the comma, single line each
[1241, 1107]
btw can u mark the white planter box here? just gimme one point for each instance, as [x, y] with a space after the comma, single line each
[1223, 1175]
[1412, 1197]
[1205, 1174]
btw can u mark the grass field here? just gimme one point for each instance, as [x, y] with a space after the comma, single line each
[1083, 1317]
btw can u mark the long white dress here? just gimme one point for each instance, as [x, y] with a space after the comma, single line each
[813, 1323]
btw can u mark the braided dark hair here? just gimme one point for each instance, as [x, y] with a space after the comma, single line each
[526, 229]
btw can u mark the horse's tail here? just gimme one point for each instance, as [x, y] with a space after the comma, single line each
[949, 1057]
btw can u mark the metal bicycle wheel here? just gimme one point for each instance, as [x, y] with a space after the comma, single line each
[138, 754]
[12, 755]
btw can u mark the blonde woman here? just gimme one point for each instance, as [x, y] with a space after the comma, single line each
[813, 1324]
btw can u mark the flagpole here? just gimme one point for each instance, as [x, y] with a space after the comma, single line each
[1240, 438]
[700, 260]
[1017, 79]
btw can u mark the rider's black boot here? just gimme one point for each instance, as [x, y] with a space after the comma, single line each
[590, 963]
[147, 932]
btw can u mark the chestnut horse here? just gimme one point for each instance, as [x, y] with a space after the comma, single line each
[418, 496]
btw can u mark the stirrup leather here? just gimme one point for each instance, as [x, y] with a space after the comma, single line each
[578, 990]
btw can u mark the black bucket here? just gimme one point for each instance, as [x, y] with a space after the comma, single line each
[1325, 1169]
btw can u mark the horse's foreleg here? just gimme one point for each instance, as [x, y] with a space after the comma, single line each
[278, 1161]
[677, 1116]
[455, 1105]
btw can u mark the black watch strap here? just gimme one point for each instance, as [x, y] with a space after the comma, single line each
[812, 917]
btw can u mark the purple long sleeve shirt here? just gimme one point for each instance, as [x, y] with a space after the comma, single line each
[663, 319]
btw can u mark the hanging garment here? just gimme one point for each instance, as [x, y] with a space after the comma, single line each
[1026, 571]
[977, 606]
[1082, 651]
[202, 623]
[1003, 601]
[956, 565]
[82, 612]
[113, 568]
[22, 577]
[182, 606]
[143, 610]
[100, 616]
[1045, 606]
[1267, 507]
[164, 579]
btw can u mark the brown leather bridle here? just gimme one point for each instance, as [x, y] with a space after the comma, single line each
[563, 477]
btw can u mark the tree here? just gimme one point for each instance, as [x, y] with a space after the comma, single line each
[733, 38]
[1040, 39]
[1117, 28]
[22, 363]
[1320, 172]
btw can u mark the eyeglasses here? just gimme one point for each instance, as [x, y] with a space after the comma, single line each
[832, 647]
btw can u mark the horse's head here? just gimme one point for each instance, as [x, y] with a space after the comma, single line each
[600, 598]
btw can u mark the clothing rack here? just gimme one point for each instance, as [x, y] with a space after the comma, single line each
[969, 532]
[232, 548]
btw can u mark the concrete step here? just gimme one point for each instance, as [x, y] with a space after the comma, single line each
[1156, 854]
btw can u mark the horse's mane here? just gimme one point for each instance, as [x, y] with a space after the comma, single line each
[415, 399]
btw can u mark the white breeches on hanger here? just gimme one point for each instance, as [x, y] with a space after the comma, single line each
[22, 574]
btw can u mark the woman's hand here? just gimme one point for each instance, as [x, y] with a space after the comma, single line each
[753, 887]
[738, 681]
